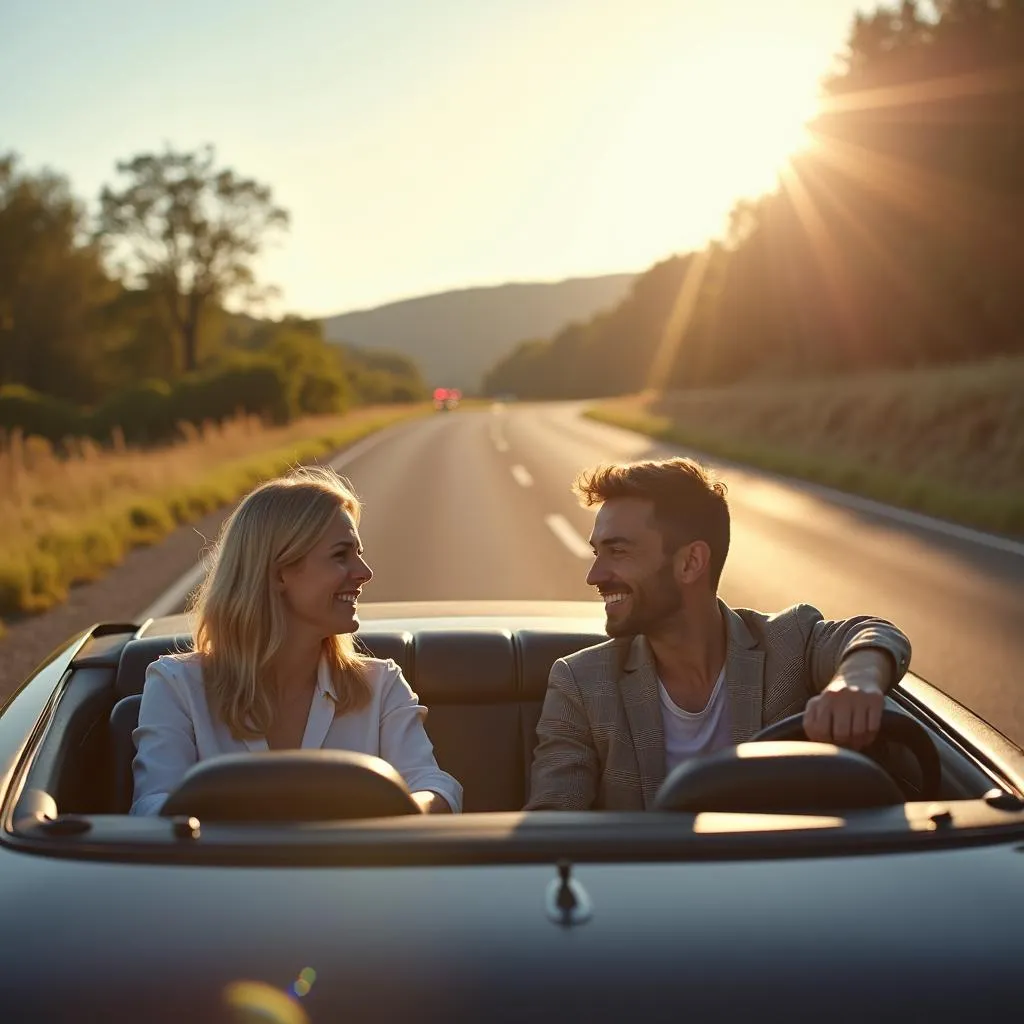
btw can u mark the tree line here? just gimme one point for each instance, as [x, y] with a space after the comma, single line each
[893, 240]
[119, 319]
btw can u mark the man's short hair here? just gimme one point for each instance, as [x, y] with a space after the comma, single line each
[689, 502]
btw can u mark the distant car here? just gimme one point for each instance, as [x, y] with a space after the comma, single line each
[446, 398]
[774, 883]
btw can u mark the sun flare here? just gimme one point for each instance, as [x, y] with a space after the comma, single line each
[756, 122]
[698, 136]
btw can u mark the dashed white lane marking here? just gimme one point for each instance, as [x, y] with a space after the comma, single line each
[903, 515]
[522, 475]
[498, 438]
[562, 529]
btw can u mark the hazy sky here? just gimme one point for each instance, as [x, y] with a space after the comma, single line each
[422, 145]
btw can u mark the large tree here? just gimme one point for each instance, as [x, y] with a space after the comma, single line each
[52, 287]
[189, 232]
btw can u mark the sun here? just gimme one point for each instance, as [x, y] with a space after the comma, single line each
[694, 138]
[757, 123]
[775, 130]
[734, 118]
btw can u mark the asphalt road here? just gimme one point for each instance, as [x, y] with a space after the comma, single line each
[476, 504]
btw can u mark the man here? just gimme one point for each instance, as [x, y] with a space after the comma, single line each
[683, 673]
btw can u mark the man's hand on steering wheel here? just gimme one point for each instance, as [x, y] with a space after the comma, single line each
[848, 712]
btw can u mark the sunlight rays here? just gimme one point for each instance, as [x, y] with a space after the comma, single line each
[830, 263]
[912, 289]
[990, 82]
[935, 199]
[679, 320]
[814, 180]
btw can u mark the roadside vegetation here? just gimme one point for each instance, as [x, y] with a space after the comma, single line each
[139, 389]
[948, 442]
[141, 317]
[68, 515]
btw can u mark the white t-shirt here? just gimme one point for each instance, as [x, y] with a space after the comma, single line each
[690, 733]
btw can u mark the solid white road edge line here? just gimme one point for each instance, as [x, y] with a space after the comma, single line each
[842, 498]
[918, 519]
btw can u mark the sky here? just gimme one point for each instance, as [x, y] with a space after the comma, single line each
[425, 145]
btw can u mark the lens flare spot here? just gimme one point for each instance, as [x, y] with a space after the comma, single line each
[255, 1002]
[308, 975]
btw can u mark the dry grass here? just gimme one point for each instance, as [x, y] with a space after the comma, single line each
[67, 519]
[947, 441]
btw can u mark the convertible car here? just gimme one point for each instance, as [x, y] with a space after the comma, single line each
[779, 880]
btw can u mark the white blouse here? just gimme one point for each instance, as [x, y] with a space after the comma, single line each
[176, 729]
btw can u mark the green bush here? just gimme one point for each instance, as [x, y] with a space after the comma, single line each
[406, 391]
[191, 398]
[324, 395]
[316, 384]
[144, 414]
[255, 385]
[377, 376]
[40, 415]
[377, 387]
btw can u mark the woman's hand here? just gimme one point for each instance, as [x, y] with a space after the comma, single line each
[431, 803]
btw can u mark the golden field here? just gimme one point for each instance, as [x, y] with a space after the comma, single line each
[947, 441]
[68, 517]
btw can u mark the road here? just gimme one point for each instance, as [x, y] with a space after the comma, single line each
[460, 506]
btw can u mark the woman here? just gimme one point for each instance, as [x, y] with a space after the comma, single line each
[275, 666]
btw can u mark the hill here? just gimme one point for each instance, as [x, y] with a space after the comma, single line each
[456, 336]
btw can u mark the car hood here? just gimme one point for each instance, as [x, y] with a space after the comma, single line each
[926, 935]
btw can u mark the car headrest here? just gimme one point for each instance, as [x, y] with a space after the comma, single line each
[290, 785]
[384, 644]
[777, 776]
[540, 649]
[455, 665]
[137, 655]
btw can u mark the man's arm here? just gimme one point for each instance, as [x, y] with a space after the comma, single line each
[831, 641]
[564, 776]
[852, 663]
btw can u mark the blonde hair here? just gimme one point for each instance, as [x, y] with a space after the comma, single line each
[239, 614]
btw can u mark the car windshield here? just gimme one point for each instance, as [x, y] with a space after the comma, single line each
[629, 324]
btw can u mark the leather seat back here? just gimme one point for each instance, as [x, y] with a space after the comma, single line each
[484, 688]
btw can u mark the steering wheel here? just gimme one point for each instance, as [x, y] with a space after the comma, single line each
[290, 785]
[896, 727]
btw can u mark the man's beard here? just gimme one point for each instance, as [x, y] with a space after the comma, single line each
[654, 601]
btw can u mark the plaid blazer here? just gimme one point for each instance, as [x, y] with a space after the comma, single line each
[601, 740]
